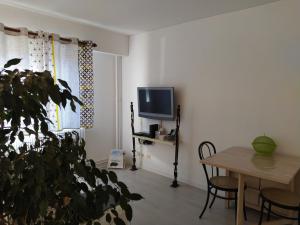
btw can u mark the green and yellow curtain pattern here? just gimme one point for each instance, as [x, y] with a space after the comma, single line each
[86, 83]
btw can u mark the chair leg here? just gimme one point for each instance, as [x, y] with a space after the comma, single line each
[214, 198]
[235, 204]
[299, 216]
[244, 209]
[269, 211]
[206, 203]
[261, 212]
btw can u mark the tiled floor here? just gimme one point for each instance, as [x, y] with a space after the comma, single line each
[164, 205]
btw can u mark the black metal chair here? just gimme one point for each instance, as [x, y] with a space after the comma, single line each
[216, 182]
[280, 198]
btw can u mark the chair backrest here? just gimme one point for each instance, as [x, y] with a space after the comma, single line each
[207, 149]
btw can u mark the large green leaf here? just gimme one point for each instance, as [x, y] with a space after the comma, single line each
[73, 107]
[64, 84]
[108, 217]
[113, 177]
[128, 211]
[44, 127]
[12, 62]
[21, 136]
[119, 221]
[135, 197]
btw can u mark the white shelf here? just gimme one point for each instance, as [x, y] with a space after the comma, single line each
[156, 140]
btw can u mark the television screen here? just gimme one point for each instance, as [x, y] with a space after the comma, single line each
[156, 103]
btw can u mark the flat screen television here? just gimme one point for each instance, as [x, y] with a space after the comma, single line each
[156, 102]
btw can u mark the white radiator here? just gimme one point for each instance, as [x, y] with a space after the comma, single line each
[30, 140]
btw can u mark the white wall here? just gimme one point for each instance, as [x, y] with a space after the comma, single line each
[107, 41]
[236, 76]
[101, 138]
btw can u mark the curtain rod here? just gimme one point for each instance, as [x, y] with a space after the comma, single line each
[36, 34]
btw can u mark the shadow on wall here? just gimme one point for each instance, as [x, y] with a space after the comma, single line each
[234, 78]
[149, 67]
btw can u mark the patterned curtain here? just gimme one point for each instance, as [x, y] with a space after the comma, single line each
[46, 52]
[40, 52]
[40, 58]
[86, 80]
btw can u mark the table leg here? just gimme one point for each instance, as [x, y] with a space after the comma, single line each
[292, 189]
[228, 194]
[240, 208]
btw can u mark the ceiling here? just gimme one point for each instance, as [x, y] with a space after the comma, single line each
[134, 16]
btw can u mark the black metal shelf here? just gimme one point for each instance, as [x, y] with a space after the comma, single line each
[156, 140]
[170, 143]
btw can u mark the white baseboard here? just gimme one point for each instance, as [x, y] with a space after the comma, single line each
[180, 179]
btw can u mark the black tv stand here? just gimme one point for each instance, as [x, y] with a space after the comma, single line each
[142, 134]
[145, 136]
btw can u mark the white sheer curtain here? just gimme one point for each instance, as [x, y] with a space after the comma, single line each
[12, 46]
[66, 62]
[44, 53]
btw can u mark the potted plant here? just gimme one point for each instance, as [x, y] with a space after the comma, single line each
[50, 182]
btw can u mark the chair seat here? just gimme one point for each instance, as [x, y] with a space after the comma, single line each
[281, 197]
[224, 182]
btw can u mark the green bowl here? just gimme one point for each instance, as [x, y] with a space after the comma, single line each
[264, 145]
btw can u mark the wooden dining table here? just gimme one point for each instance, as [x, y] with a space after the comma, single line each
[245, 162]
